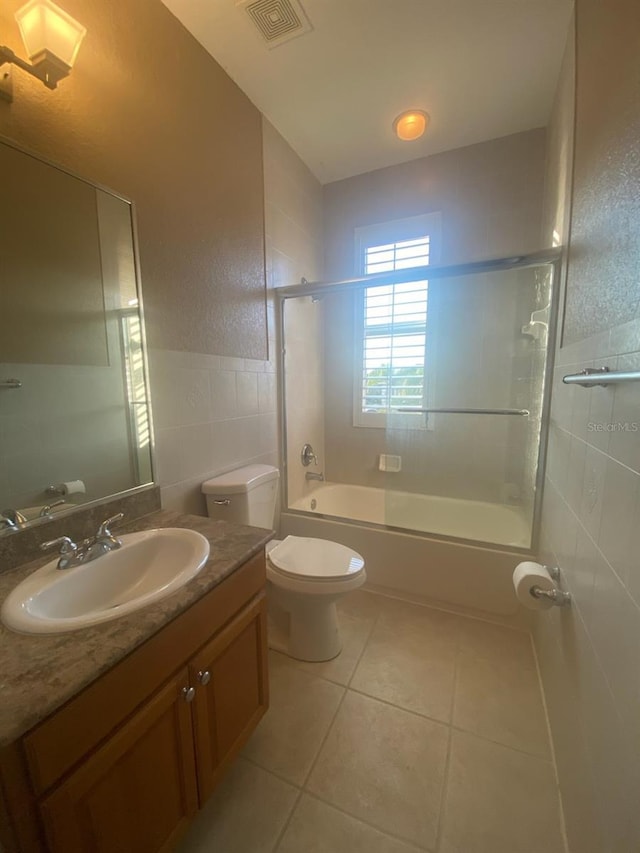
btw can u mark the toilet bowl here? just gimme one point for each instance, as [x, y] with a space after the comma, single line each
[305, 577]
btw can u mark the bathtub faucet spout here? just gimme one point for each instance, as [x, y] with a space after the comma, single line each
[310, 475]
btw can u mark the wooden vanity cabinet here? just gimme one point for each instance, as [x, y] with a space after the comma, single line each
[137, 792]
[234, 695]
[140, 785]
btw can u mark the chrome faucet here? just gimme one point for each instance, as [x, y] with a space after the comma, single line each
[311, 475]
[12, 519]
[307, 456]
[7, 523]
[71, 555]
[105, 538]
[69, 552]
[46, 509]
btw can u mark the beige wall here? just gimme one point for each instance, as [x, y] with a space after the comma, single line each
[589, 653]
[606, 208]
[490, 198]
[148, 113]
[215, 413]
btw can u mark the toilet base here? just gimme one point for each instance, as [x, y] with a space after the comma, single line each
[307, 631]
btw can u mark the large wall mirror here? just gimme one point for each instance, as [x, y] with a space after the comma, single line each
[75, 421]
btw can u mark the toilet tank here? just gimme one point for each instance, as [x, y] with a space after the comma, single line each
[247, 495]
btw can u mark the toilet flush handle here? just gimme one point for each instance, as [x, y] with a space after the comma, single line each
[222, 502]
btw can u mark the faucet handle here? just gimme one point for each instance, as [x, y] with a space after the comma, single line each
[307, 456]
[46, 509]
[103, 530]
[67, 545]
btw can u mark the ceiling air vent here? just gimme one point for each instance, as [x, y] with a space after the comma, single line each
[277, 21]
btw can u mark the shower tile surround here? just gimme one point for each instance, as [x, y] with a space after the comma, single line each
[490, 199]
[351, 758]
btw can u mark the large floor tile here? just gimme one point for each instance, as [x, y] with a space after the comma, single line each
[501, 701]
[318, 828]
[361, 603]
[409, 664]
[499, 801]
[245, 814]
[495, 642]
[385, 766]
[406, 618]
[354, 632]
[301, 709]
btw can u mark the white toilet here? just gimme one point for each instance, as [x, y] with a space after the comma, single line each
[305, 577]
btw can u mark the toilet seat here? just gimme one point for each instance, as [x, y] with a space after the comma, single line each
[305, 558]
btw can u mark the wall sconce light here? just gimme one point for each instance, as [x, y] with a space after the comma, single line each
[52, 39]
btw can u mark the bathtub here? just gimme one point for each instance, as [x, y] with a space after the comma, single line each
[472, 573]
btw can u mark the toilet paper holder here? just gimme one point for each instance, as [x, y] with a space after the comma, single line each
[557, 597]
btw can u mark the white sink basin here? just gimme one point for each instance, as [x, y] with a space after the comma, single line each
[149, 566]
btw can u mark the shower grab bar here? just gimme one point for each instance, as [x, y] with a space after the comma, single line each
[591, 376]
[522, 412]
[10, 383]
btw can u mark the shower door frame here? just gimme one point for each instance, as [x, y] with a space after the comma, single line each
[547, 257]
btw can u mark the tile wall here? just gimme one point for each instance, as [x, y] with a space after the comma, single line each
[215, 413]
[589, 653]
[489, 196]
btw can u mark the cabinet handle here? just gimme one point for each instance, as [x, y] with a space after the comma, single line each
[204, 677]
[188, 693]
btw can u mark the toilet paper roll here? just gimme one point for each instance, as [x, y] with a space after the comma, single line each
[73, 487]
[525, 577]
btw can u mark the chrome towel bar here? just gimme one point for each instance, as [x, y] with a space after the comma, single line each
[522, 412]
[591, 376]
[10, 383]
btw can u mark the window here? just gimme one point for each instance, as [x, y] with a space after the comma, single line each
[392, 325]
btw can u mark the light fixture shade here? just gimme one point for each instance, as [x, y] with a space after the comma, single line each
[411, 124]
[46, 27]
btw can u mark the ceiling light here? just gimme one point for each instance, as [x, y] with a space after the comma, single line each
[52, 39]
[410, 124]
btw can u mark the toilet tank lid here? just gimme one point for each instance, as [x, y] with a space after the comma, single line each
[241, 480]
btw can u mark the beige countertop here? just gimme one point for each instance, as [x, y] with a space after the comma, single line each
[40, 672]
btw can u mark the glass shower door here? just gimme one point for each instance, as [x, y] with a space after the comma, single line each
[467, 466]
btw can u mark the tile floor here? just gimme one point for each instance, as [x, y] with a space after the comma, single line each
[427, 733]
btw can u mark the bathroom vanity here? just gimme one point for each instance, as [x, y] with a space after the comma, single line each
[112, 737]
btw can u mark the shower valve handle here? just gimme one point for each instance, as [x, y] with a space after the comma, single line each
[307, 456]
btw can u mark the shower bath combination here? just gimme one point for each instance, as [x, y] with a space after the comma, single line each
[460, 505]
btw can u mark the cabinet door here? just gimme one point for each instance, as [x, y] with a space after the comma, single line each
[135, 793]
[232, 692]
